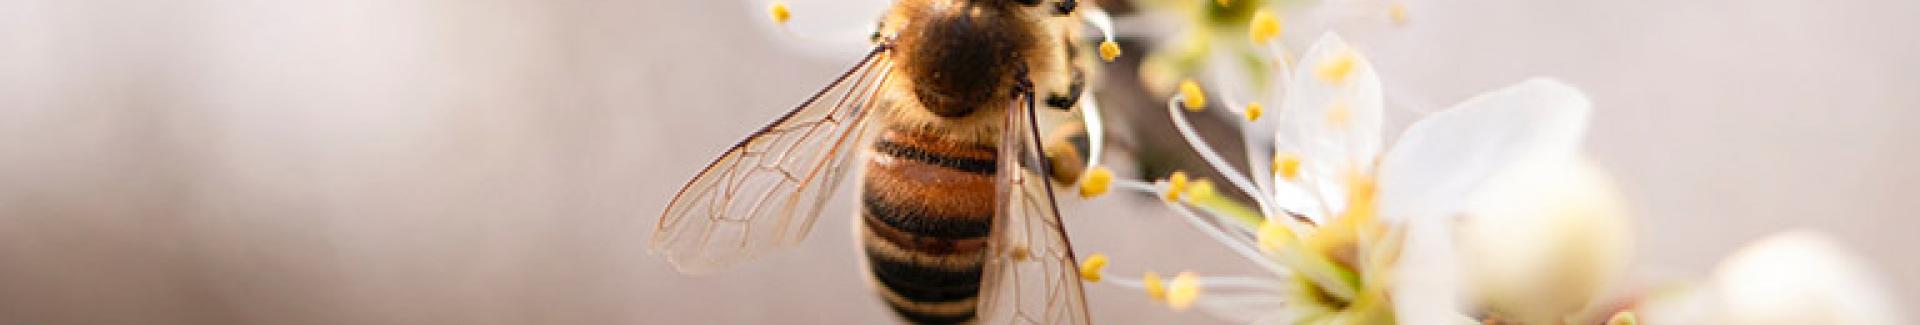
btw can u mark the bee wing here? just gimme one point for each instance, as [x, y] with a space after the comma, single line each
[1031, 275]
[767, 190]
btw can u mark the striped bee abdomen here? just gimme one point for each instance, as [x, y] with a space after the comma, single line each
[927, 209]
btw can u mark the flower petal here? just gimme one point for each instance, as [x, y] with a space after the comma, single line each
[1577, 237]
[1332, 115]
[827, 28]
[1440, 161]
[1427, 285]
[1800, 277]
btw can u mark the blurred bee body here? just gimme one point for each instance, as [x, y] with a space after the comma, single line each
[928, 190]
[957, 220]
[928, 206]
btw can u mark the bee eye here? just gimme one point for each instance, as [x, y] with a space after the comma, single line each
[1065, 7]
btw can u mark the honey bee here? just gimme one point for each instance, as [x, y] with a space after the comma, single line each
[957, 222]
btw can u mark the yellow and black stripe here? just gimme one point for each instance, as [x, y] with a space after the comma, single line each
[928, 207]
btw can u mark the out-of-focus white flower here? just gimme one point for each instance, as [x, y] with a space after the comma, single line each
[827, 28]
[1798, 277]
[1544, 240]
[1236, 43]
[1351, 234]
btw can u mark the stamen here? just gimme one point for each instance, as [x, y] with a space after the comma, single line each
[1253, 283]
[1096, 129]
[1156, 288]
[1274, 235]
[1103, 23]
[1240, 246]
[1360, 196]
[1264, 27]
[1336, 69]
[1201, 190]
[1183, 291]
[1097, 182]
[1191, 96]
[1090, 269]
[780, 12]
[1287, 165]
[1214, 160]
[1623, 318]
[1136, 186]
[1253, 111]
[1176, 184]
[1223, 3]
[1109, 51]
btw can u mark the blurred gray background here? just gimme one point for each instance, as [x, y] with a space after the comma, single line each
[501, 162]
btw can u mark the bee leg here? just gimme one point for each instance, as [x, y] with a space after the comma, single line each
[1077, 87]
[1065, 150]
[1064, 98]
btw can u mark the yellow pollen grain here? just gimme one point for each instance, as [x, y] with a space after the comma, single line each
[1183, 291]
[1361, 194]
[1336, 69]
[780, 12]
[1274, 235]
[1090, 269]
[1339, 114]
[1397, 12]
[1264, 27]
[1156, 288]
[1223, 3]
[1097, 182]
[1254, 110]
[1176, 184]
[1201, 190]
[1191, 96]
[1287, 165]
[1109, 50]
[1623, 318]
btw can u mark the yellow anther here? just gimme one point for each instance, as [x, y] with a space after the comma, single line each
[1176, 184]
[1339, 114]
[1360, 196]
[1223, 3]
[1191, 96]
[1090, 269]
[1097, 182]
[1397, 12]
[1273, 235]
[1020, 253]
[1623, 318]
[1156, 288]
[780, 12]
[1287, 165]
[1264, 27]
[1336, 68]
[1183, 291]
[1201, 190]
[1254, 110]
[1109, 50]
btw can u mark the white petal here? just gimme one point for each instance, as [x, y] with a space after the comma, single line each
[1332, 147]
[1294, 195]
[1576, 233]
[827, 28]
[1800, 277]
[1441, 160]
[1427, 286]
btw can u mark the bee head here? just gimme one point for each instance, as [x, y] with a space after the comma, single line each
[962, 55]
